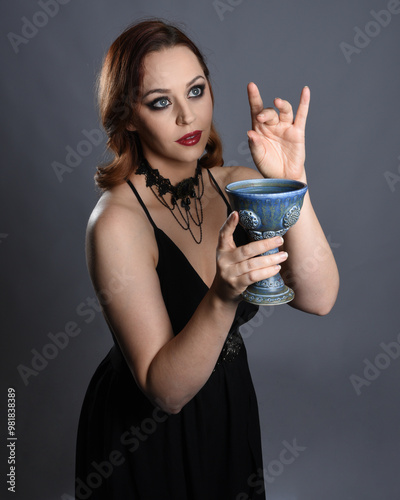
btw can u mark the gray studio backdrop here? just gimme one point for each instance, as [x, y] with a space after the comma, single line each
[328, 387]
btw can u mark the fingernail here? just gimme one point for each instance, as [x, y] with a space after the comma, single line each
[280, 240]
[261, 116]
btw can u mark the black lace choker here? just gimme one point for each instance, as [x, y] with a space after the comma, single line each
[185, 191]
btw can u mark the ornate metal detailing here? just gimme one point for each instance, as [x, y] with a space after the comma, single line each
[271, 234]
[291, 216]
[269, 300]
[249, 219]
[256, 235]
[269, 283]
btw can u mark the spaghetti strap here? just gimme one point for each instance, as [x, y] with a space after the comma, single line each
[141, 203]
[212, 178]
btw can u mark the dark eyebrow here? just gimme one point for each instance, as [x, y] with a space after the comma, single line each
[166, 91]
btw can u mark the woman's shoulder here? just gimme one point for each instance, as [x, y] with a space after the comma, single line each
[118, 217]
[225, 175]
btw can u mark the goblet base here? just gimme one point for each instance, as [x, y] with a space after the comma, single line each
[261, 297]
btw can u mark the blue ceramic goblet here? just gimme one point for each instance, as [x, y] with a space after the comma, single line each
[267, 208]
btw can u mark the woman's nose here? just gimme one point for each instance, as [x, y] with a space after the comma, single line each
[185, 115]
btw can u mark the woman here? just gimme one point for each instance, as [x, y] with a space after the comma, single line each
[171, 412]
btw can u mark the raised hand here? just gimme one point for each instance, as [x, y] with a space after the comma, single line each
[277, 141]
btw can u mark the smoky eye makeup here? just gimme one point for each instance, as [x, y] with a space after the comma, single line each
[197, 90]
[159, 103]
[164, 102]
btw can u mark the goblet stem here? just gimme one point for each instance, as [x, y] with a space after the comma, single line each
[270, 291]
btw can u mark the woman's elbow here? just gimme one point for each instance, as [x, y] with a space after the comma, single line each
[325, 304]
[323, 309]
[168, 406]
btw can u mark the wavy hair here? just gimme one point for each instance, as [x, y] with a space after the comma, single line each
[119, 86]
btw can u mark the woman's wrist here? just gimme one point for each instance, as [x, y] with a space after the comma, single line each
[221, 303]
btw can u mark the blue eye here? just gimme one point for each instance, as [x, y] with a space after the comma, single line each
[160, 103]
[196, 91]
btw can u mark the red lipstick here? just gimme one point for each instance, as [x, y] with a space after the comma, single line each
[190, 139]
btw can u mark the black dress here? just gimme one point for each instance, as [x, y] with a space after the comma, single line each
[128, 449]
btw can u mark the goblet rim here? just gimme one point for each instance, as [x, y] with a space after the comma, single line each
[239, 187]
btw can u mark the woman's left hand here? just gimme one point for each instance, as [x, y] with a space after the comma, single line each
[277, 142]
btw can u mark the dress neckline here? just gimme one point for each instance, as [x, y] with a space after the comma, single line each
[172, 242]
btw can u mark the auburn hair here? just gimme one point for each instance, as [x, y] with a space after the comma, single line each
[119, 87]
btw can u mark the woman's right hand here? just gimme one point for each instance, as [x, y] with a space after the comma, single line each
[239, 267]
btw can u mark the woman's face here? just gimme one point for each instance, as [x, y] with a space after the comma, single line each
[174, 114]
